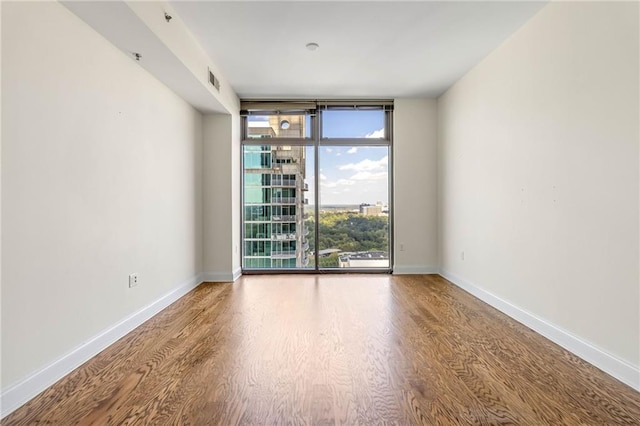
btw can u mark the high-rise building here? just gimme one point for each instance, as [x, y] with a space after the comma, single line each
[274, 196]
[370, 210]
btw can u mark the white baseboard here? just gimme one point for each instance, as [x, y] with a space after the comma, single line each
[221, 277]
[414, 269]
[606, 362]
[237, 273]
[20, 393]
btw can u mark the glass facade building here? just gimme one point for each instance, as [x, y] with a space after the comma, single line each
[274, 196]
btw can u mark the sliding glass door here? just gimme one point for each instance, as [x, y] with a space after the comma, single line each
[316, 188]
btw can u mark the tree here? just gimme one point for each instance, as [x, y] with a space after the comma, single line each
[350, 232]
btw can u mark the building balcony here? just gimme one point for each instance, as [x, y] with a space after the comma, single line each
[258, 237]
[283, 200]
[284, 255]
[284, 218]
[287, 183]
[290, 169]
[283, 237]
[305, 187]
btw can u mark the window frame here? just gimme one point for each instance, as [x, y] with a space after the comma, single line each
[315, 139]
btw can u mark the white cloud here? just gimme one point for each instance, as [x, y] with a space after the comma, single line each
[339, 182]
[329, 150]
[376, 134]
[353, 150]
[322, 177]
[367, 165]
[369, 176]
[338, 154]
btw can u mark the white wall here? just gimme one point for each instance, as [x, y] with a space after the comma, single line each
[235, 182]
[101, 177]
[221, 197]
[539, 177]
[415, 186]
[1, 380]
[179, 40]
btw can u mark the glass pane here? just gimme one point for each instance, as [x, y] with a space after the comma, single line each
[279, 126]
[353, 124]
[353, 212]
[276, 182]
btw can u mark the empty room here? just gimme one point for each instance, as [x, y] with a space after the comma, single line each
[320, 212]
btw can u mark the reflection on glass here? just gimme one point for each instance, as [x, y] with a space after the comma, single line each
[279, 126]
[353, 124]
[354, 210]
[275, 186]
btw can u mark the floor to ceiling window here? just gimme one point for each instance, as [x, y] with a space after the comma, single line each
[316, 185]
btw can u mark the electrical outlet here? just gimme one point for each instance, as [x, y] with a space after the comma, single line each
[401, 247]
[461, 255]
[133, 280]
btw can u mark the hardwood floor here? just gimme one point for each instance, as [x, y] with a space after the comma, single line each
[347, 349]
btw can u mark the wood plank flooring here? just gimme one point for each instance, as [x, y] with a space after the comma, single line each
[327, 349]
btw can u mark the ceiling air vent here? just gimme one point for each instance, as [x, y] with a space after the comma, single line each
[214, 81]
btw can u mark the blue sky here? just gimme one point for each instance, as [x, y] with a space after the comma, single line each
[353, 174]
[351, 124]
[350, 174]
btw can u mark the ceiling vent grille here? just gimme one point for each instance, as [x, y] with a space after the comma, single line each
[214, 81]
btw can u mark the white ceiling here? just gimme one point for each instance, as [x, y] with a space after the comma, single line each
[368, 49]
